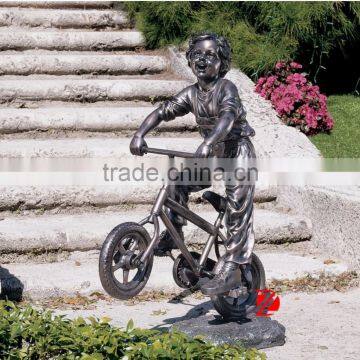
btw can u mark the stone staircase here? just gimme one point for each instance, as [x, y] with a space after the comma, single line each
[75, 82]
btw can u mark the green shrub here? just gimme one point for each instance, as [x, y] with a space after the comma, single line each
[32, 334]
[326, 33]
[162, 23]
[253, 52]
[323, 36]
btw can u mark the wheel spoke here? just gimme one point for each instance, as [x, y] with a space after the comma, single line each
[125, 276]
[116, 267]
[133, 245]
[121, 248]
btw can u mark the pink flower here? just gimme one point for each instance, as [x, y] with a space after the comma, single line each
[259, 84]
[279, 65]
[270, 81]
[329, 121]
[296, 78]
[295, 65]
[296, 100]
[261, 81]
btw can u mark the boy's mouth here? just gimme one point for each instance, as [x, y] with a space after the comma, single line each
[201, 67]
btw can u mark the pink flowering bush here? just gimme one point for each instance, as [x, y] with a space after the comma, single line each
[296, 100]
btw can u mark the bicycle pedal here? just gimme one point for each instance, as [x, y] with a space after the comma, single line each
[239, 291]
[203, 280]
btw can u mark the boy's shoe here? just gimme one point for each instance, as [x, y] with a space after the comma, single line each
[228, 278]
[167, 243]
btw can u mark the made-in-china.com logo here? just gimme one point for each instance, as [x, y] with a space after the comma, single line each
[267, 302]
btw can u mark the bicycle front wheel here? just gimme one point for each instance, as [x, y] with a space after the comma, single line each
[119, 278]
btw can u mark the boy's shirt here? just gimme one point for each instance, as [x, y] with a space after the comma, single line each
[208, 107]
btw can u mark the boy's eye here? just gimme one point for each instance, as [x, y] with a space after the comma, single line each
[199, 53]
[211, 55]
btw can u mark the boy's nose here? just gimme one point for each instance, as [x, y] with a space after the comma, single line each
[201, 57]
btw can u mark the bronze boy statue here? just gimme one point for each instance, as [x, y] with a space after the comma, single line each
[220, 115]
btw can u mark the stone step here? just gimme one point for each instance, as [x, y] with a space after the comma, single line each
[88, 90]
[105, 118]
[58, 4]
[60, 63]
[19, 39]
[63, 18]
[79, 274]
[43, 197]
[69, 172]
[88, 231]
[90, 147]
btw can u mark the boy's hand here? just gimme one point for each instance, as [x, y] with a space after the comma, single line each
[203, 151]
[136, 145]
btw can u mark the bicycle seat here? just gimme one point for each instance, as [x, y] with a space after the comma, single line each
[216, 200]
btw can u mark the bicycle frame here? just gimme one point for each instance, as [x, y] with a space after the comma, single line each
[157, 212]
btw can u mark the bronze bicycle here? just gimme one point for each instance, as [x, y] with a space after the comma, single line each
[129, 249]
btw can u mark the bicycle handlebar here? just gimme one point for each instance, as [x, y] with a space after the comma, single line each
[170, 153]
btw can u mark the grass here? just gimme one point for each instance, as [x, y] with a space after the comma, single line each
[344, 140]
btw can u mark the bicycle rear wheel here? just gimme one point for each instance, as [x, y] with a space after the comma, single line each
[235, 307]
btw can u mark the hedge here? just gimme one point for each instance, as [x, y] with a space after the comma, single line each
[27, 333]
[322, 36]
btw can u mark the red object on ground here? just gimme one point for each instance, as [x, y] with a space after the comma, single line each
[267, 302]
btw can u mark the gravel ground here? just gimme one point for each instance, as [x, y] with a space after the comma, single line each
[318, 326]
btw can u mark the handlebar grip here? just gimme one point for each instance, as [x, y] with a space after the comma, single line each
[144, 149]
[170, 153]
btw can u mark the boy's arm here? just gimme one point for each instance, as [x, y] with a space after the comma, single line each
[138, 142]
[178, 105]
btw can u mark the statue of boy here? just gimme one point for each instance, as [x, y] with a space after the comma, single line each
[220, 115]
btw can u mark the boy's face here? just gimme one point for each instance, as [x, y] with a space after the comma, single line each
[205, 61]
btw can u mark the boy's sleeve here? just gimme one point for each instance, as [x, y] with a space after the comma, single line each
[178, 105]
[230, 101]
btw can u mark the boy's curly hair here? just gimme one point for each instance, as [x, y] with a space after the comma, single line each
[224, 50]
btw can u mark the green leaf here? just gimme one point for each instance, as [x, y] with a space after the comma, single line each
[130, 325]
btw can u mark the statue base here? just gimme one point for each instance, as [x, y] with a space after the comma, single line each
[257, 332]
